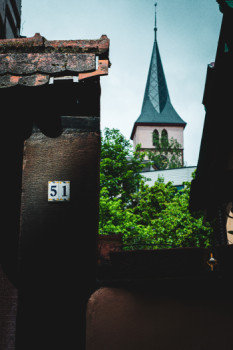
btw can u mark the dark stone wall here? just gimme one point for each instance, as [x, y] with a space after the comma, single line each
[57, 244]
[173, 314]
[57, 240]
[11, 160]
[49, 133]
[8, 310]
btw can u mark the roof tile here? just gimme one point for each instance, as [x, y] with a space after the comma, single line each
[30, 80]
[31, 61]
[38, 43]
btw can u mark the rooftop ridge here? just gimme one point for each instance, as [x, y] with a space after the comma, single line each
[38, 43]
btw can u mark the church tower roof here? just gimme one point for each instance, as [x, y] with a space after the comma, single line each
[157, 108]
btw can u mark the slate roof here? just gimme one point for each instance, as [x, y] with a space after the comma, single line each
[157, 108]
[33, 61]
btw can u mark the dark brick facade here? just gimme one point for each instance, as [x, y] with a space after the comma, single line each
[8, 309]
[10, 13]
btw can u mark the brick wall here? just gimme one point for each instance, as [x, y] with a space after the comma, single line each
[8, 310]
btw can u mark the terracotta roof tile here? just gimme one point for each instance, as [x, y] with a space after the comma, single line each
[32, 61]
[38, 43]
[22, 44]
[49, 63]
[29, 80]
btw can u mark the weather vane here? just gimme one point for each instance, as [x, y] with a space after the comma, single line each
[155, 28]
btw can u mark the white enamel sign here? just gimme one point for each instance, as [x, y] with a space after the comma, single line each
[58, 191]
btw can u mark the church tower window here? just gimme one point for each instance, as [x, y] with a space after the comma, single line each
[155, 138]
[164, 138]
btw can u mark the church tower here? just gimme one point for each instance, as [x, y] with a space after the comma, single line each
[158, 119]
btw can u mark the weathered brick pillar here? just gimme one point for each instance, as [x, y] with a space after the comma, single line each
[59, 84]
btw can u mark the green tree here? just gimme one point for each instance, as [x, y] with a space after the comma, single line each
[147, 216]
[120, 167]
[167, 153]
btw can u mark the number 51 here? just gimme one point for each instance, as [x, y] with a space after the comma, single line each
[58, 191]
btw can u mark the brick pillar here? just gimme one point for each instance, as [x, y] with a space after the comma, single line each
[57, 248]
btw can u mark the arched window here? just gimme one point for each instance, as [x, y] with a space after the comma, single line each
[164, 138]
[155, 138]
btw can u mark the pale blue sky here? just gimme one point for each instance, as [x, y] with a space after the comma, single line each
[187, 35]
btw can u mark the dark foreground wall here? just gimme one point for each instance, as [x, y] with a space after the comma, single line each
[178, 315]
[8, 310]
[50, 95]
[57, 242]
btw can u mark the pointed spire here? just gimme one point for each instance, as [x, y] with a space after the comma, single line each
[156, 88]
[157, 107]
[155, 28]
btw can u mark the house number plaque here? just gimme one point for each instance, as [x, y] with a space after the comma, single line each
[58, 191]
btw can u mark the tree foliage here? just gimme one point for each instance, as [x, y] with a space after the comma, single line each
[167, 153]
[147, 216]
[120, 167]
